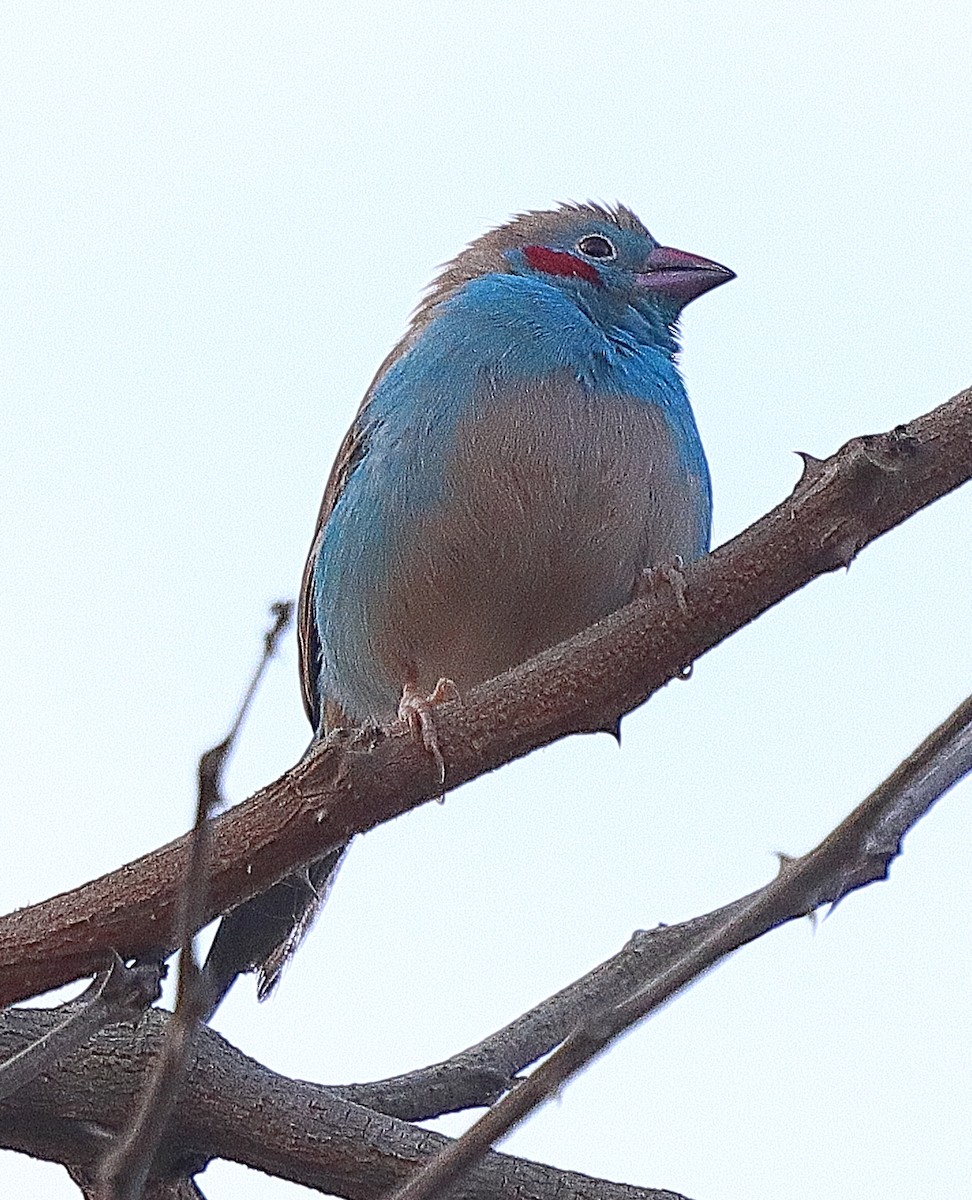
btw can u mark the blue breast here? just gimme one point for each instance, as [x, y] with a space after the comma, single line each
[522, 464]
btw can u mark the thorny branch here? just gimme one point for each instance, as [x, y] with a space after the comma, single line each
[356, 780]
[231, 1107]
[859, 851]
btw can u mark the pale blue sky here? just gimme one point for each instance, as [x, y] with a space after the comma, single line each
[214, 221]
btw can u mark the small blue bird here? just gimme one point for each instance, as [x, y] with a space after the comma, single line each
[525, 453]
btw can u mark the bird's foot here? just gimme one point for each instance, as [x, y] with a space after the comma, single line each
[418, 713]
[671, 573]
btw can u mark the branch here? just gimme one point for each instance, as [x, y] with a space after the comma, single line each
[118, 993]
[859, 851]
[870, 837]
[356, 780]
[232, 1107]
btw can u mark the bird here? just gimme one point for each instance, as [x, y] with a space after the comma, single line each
[525, 456]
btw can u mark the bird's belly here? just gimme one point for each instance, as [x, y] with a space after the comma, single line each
[471, 611]
[544, 527]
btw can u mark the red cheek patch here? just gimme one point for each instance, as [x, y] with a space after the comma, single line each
[559, 262]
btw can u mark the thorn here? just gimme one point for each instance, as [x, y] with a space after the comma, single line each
[812, 466]
[785, 861]
[614, 730]
[841, 545]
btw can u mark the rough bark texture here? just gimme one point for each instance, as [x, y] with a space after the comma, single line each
[232, 1107]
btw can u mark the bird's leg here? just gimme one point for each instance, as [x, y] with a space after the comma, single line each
[417, 711]
[670, 573]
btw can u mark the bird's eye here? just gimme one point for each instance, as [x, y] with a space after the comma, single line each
[596, 246]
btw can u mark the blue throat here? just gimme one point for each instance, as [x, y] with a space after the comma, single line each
[504, 328]
[519, 326]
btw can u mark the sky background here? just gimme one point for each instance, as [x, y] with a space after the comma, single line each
[214, 222]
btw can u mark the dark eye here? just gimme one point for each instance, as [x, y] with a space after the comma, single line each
[596, 246]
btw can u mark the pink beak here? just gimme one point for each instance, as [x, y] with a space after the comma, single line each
[679, 276]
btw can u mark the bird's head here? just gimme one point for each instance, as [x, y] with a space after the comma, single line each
[602, 256]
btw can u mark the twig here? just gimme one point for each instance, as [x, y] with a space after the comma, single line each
[859, 851]
[480, 1075]
[119, 993]
[126, 1166]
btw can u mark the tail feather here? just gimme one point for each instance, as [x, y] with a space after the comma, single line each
[263, 932]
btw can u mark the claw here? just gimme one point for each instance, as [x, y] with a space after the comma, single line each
[417, 711]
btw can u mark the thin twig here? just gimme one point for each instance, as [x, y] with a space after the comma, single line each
[479, 1075]
[118, 993]
[857, 852]
[126, 1166]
